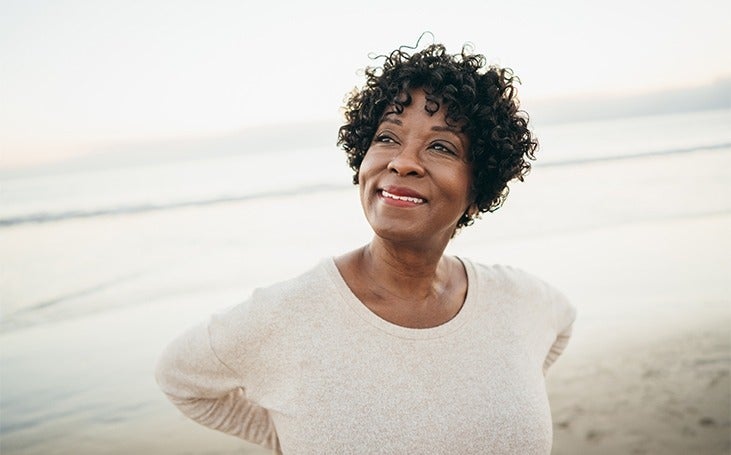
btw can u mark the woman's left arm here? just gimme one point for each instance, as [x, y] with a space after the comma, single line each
[564, 315]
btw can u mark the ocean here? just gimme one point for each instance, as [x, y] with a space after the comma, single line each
[102, 266]
[254, 174]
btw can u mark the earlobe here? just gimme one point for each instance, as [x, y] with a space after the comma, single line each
[472, 210]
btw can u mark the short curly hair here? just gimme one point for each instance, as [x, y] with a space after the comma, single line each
[481, 99]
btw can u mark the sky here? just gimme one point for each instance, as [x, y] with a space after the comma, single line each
[75, 75]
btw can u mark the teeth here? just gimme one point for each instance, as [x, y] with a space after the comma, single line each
[415, 200]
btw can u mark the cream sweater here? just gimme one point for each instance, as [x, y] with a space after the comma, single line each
[304, 367]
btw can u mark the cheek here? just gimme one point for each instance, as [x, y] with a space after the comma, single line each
[464, 188]
[364, 172]
[366, 168]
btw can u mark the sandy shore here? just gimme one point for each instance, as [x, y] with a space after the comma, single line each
[670, 396]
[639, 394]
[666, 396]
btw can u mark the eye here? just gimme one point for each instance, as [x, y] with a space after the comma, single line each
[384, 138]
[442, 148]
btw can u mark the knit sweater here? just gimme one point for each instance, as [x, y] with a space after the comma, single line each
[304, 367]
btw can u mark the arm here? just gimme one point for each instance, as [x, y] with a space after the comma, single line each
[205, 389]
[564, 315]
[562, 340]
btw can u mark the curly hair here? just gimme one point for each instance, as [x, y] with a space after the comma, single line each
[480, 99]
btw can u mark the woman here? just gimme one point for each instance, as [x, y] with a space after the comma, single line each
[395, 347]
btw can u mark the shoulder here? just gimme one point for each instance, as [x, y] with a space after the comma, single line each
[273, 311]
[517, 286]
[292, 290]
[509, 278]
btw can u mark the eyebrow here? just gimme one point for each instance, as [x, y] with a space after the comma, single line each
[388, 119]
[449, 129]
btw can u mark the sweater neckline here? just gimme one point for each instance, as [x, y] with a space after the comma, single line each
[368, 316]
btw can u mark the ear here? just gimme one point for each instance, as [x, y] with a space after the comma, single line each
[472, 210]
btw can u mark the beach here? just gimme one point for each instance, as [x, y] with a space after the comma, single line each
[639, 244]
[649, 398]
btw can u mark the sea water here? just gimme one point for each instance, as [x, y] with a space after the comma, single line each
[102, 267]
[259, 173]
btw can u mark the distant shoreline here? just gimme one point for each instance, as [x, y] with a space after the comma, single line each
[542, 112]
[709, 97]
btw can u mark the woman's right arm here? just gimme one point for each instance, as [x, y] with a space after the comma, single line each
[207, 390]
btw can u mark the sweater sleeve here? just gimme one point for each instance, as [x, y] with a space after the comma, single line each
[205, 389]
[564, 316]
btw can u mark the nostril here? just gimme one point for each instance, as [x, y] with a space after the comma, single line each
[392, 166]
[405, 165]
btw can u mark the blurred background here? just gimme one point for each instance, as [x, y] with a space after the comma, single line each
[161, 159]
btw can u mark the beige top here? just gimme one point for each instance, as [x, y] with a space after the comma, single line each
[304, 367]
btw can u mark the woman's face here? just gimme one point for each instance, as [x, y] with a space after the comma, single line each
[415, 179]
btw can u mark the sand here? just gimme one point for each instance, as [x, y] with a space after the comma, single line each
[667, 396]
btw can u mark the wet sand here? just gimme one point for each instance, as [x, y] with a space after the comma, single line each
[666, 396]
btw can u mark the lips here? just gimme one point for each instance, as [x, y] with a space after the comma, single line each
[404, 195]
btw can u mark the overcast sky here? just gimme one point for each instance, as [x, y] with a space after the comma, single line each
[76, 74]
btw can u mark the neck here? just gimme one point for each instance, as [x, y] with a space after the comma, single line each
[405, 271]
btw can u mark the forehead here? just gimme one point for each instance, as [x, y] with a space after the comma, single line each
[427, 113]
[439, 125]
[432, 105]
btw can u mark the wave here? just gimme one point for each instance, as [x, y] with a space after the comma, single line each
[633, 156]
[141, 208]
[48, 217]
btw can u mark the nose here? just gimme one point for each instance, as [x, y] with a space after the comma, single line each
[407, 162]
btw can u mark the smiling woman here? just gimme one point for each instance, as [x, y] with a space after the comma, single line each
[395, 347]
[416, 161]
[478, 104]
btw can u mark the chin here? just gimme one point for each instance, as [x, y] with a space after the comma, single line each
[407, 234]
[402, 233]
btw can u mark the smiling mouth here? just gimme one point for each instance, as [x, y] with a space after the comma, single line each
[411, 199]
